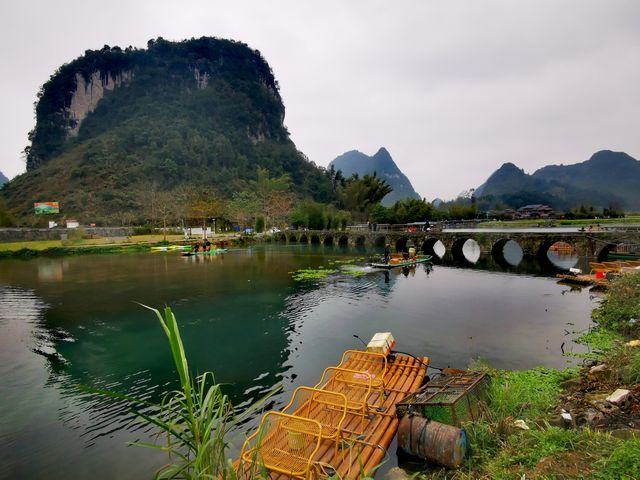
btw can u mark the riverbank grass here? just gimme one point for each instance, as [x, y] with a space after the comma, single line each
[539, 448]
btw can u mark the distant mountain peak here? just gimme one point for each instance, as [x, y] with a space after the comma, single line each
[383, 165]
[3, 179]
[606, 156]
[607, 178]
[509, 168]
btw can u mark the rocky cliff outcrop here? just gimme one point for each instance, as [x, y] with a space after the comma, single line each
[88, 93]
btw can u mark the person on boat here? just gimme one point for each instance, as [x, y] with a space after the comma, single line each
[207, 246]
[387, 253]
[196, 247]
[222, 244]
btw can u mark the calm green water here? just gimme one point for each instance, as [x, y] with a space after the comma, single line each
[70, 321]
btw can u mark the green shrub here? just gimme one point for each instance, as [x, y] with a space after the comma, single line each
[620, 308]
[259, 224]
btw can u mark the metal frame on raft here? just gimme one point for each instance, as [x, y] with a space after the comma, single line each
[447, 392]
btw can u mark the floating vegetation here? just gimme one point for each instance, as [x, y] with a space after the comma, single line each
[346, 267]
[355, 270]
[312, 274]
[348, 261]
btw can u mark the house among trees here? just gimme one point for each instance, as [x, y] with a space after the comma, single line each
[534, 211]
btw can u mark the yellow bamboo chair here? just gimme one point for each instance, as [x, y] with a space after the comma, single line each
[355, 385]
[328, 408]
[284, 443]
[375, 364]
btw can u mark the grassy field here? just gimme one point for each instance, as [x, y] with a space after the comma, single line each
[630, 220]
[82, 246]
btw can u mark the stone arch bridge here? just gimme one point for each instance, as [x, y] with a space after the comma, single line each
[589, 244]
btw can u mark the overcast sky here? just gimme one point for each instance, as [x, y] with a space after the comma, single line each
[452, 89]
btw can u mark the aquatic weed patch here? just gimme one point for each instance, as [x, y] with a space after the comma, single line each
[346, 266]
[305, 274]
[353, 271]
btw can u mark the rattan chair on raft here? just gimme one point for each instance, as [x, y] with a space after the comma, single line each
[328, 408]
[283, 443]
[355, 385]
[375, 364]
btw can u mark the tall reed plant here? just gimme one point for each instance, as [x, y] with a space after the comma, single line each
[192, 420]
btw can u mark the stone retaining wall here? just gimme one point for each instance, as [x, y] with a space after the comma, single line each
[32, 234]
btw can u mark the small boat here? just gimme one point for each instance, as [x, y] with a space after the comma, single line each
[208, 252]
[577, 279]
[626, 252]
[169, 248]
[402, 262]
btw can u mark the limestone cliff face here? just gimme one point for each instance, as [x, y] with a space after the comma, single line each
[202, 79]
[87, 94]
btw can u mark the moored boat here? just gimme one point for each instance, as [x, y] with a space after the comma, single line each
[402, 262]
[170, 248]
[215, 251]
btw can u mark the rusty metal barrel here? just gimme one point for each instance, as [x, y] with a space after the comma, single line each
[433, 441]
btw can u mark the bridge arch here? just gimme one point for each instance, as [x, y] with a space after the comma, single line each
[603, 254]
[498, 247]
[282, 238]
[360, 241]
[430, 247]
[563, 247]
[380, 241]
[328, 240]
[558, 253]
[401, 244]
[293, 238]
[507, 252]
[304, 239]
[315, 239]
[457, 249]
[343, 241]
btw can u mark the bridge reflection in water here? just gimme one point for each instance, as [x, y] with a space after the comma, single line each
[550, 248]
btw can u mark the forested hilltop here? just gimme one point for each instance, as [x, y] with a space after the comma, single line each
[608, 180]
[116, 128]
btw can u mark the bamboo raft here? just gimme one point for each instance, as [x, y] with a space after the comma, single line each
[339, 427]
[600, 272]
[577, 279]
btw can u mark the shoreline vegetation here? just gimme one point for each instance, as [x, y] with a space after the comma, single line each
[82, 246]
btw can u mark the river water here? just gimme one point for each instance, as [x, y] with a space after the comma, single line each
[73, 320]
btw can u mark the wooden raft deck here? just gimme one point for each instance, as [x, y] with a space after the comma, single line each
[364, 451]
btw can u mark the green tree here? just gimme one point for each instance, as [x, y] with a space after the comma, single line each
[359, 195]
[243, 207]
[311, 215]
[259, 224]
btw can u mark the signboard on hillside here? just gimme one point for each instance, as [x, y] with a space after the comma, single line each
[46, 208]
